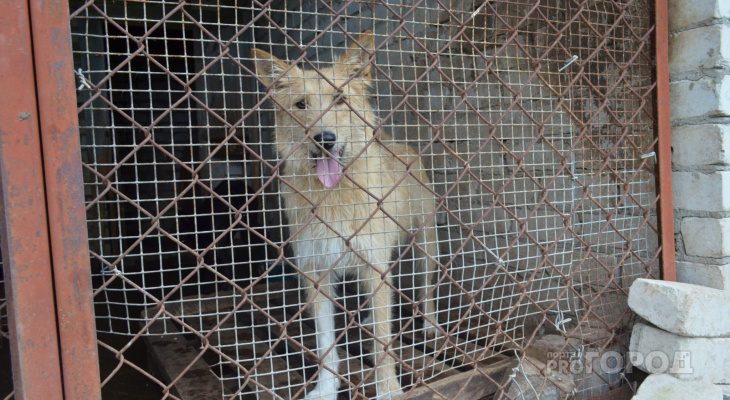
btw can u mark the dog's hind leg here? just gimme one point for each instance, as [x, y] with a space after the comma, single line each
[426, 237]
[382, 304]
[324, 319]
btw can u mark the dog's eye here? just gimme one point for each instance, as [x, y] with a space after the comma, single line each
[301, 104]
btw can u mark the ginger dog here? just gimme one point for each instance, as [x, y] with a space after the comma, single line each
[348, 199]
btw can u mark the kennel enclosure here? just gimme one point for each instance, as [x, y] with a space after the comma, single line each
[539, 125]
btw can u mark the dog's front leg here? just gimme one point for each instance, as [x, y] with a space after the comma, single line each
[324, 319]
[386, 381]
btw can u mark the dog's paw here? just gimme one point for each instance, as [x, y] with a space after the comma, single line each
[431, 329]
[319, 394]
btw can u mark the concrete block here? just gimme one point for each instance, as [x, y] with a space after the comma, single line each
[701, 192]
[704, 47]
[519, 191]
[545, 226]
[704, 97]
[656, 351]
[542, 155]
[457, 7]
[468, 202]
[713, 276]
[604, 239]
[683, 14]
[681, 308]
[599, 190]
[593, 269]
[706, 237]
[701, 145]
[725, 391]
[560, 192]
[665, 387]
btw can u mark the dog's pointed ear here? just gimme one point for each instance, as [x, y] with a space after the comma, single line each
[358, 55]
[268, 67]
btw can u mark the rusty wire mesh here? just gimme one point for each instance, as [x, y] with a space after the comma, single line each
[533, 121]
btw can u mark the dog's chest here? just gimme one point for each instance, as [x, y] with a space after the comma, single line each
[340, 224]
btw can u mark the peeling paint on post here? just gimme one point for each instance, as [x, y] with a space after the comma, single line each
[65, 199]
[25, 245]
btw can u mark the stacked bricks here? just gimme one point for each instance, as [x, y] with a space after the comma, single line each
[699, 67]
[689, 339]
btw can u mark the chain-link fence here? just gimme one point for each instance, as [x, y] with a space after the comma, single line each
[363, 197]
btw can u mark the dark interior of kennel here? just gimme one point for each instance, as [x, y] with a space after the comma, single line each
[204, 213]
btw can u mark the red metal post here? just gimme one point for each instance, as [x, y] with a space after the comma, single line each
[666, 204]
[65, 198]
[25, 245]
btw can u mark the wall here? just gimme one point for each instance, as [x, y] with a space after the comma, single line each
[699, 67]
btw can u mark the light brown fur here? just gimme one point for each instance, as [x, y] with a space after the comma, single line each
[347, 208]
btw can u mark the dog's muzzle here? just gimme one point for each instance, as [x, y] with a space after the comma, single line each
[329, 169]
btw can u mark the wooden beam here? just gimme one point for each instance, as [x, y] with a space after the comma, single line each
[468, 385]
[172, 357]
[622, 393]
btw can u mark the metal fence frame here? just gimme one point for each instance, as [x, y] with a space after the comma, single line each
[44, 245]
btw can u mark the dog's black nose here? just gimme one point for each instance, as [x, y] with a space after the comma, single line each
[327, 139]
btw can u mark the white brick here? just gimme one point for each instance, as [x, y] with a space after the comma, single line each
[701, 192]
[701, 145]
[723, 109]
[725, 391]
[656, 351]
[666, 387]
[705, 47]
[700, 98]
[681, 308]
[684, 13]
[713, 276]
[706, 237]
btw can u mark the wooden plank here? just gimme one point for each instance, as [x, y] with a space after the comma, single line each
[419, 361]
[622, 393]
[469, 385]
[172, 355]
[452, 349]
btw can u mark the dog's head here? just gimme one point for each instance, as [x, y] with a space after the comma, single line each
[320, 115]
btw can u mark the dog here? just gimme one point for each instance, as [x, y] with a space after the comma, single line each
[349, 200]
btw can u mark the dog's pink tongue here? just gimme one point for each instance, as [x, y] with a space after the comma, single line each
[328, 171]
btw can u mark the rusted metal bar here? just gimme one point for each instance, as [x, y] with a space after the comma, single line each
[25, 243]
[666, 204]
[65, 198]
